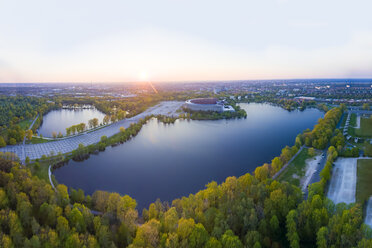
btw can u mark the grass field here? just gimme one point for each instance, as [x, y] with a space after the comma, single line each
[297, 167]
[364, 182]
[352, 124]
[25, 124]
[365, 129]
[40, 171]
[36, 140]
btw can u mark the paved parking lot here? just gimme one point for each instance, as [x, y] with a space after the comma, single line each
[34, 151]
[342, 186]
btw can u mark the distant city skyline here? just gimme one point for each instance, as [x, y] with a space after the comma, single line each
[168, 40]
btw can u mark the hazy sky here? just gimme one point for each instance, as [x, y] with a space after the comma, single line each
[175, 40]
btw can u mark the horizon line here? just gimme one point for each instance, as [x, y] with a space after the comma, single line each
[188, 81]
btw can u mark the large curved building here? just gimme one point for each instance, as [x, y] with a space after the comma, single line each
[207, 104]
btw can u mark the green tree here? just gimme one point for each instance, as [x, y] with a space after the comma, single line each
[76, 220]
[292, 234]
[12, 141]
[311, 152]
[229, 240]
[261, 173]
[73, 241]
[62, 227]
[213, 243]
[2, 142]
[62, 195]
[199, 236]
[3, 199]
[321, 237]
[276, 164]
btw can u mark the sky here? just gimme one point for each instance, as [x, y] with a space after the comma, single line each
[183, 40]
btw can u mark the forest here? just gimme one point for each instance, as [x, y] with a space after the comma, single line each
[16, 114]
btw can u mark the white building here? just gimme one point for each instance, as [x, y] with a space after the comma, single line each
[207, 104]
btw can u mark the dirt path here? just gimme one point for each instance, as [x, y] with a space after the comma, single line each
[311, 166]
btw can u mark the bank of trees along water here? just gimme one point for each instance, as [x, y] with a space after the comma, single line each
[249, 211]
[16, 115]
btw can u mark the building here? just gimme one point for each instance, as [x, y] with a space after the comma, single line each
[207, 104]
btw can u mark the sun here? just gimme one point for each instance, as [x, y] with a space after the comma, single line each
[143, 76]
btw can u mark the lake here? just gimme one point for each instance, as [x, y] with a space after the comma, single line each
[58, 120]
[171, 161]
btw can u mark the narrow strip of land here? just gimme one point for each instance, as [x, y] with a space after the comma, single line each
[34, 151]
[286, 165]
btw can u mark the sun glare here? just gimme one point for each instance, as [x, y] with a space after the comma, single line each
[143, 76]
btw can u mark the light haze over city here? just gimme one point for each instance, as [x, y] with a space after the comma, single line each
[121, 41]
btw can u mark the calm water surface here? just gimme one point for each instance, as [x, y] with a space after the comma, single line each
[58, 120]
[171, 161]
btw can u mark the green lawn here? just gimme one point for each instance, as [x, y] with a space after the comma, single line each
[25, 124]
[365, 129]
[364, 182]
[297, 167]
[37, 140]
[352, 124]
[40, 171]
[353, 118]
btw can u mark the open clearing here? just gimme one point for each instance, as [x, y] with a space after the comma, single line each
[299, 169]
[364, 182]
[342, 187]
[310, 169]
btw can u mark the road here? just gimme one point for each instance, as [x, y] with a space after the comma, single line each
[34, 151]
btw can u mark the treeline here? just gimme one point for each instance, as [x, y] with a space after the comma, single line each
[14, 111]
[241, 212]
[324, 127]
[249, 211]
[323, 131]
[288, 104]
[82, 152]
[268, 170]
[34, 215]
[75, 129]
[212, 115]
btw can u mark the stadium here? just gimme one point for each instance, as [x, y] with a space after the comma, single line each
[207, 104]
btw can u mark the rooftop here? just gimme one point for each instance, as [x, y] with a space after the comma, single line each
[204, 101]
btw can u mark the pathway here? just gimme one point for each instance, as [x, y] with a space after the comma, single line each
[23, 156]
[286, 165]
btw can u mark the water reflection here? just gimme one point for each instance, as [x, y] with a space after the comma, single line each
[170, 161]
[58, 120]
